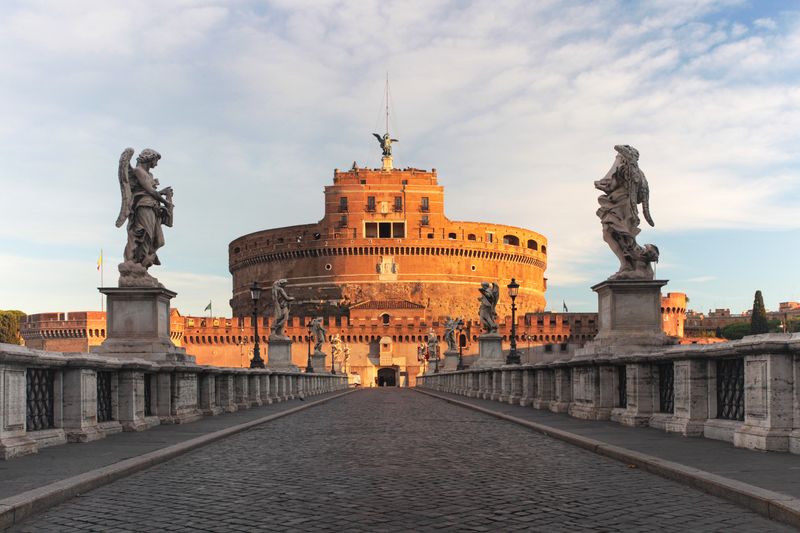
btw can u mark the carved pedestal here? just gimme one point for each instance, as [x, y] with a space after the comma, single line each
[279, 354]
[137, 323]
[450, 361]
[13, 439]
[490, 351]
[318, 361]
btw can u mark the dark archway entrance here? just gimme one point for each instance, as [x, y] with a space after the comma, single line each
[387, 377]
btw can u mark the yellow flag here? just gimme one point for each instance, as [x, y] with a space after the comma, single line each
[100, 261]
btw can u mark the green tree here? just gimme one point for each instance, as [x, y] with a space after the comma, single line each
[758, 318]
[9, 326]
[735, 331]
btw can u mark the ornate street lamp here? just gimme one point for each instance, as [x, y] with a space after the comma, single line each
[436, 355]
[309, 368]
[461, 342]
[333, 360]
[255, 294]
[513, 355]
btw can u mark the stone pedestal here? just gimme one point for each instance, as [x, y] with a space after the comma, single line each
[80, 405]
[768, 417]
[593, 390]
[13, 439]
[131, 399]
[691, 398]
[450, 361]
[319, 362]
[490, 351]
[629, 314]
[279, 354]
[640, 392]
[137, 325]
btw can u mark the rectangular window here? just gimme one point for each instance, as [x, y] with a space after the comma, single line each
[398, 203]
[370, 203]
[371, 230]
[398, 230]
[424, 220]
[343, 221]
[425, 204]
[385, 230]
[489, 236]
[343, 204]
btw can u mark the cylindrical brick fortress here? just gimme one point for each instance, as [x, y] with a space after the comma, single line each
[385, 237]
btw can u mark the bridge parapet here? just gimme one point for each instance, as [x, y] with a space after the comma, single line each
[50, 398]
[745, 392]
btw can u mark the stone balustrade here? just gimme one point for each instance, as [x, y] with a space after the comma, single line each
[746, 392]
[49, 398]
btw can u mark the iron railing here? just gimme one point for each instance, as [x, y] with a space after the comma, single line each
[104, 406]
[39, 396]
[730, 389]
[622, 378]
[148, 402]
[666, 387]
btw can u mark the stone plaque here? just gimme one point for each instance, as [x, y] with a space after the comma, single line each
[131, 318]
[89, 396]
[14, 410]
[755, 384]
[163, 319]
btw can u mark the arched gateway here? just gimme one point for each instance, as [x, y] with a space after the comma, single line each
[387, 377]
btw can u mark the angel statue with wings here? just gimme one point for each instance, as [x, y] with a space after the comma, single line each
[386, 143]
[624, 188]
[490, 294]
[145, 208]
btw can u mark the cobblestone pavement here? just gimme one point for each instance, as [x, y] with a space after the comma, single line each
[394, 460]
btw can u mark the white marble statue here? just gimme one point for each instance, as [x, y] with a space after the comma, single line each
[146, 209]
[280, 302]
[318, 332]
[490, 295]
[624, 188]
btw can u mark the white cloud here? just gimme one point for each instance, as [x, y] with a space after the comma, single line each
[517, 104]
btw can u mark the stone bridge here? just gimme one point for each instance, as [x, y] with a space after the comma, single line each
[213, 449]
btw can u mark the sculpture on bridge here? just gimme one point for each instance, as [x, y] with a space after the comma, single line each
[433, 345]
[345, 357]
[145, 208]
[280, 302]
[386, 143]
[451, 325]
[318, 332]
[490, 295]
[336, 347]
[625, 187]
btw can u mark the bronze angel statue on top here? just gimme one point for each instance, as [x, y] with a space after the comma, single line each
[145, 208]
[625, 187]
[386, 141]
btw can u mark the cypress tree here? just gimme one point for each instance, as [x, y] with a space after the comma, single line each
[758, 318]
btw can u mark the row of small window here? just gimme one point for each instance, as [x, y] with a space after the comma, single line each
[371, 204]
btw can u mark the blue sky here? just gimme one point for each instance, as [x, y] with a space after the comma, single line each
[516, 104]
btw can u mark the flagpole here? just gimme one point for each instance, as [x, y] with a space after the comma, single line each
[102, 269]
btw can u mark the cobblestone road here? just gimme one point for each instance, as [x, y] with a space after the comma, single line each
[394, 460]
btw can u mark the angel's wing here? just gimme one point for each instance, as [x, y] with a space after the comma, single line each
[395, 140]
[379, 137]
[125, 171]
[496, 291]
[644, 199]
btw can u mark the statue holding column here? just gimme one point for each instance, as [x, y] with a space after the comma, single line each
[624, 187]
[318, 332]
[280, 302]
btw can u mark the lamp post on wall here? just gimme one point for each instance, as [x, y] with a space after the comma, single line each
[309, 368]
[461, 342]
[255, 294]
[513, 355]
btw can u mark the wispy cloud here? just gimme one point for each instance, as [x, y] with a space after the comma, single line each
[517, 104]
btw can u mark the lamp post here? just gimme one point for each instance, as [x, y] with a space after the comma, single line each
[436, 355]
[309, 368]
[461, 342]
[513, 355]
[333, 360]
[255, 294]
